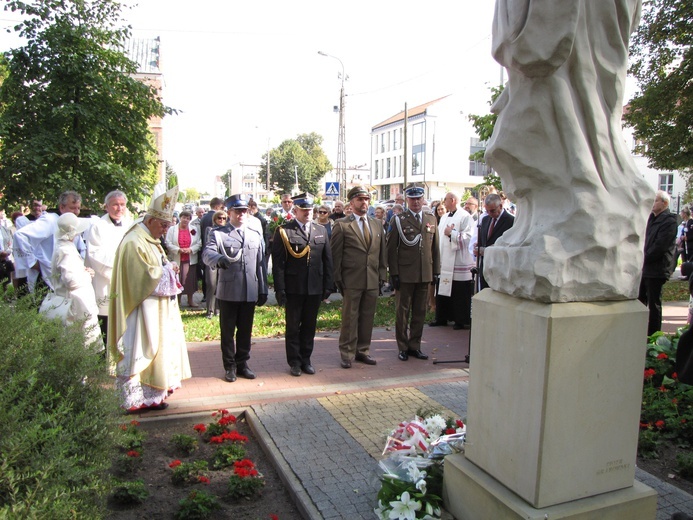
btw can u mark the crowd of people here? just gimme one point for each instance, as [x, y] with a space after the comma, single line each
[126, 279]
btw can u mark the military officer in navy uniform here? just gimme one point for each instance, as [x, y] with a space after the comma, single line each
[302, 269]
[414, 260]
[236, 252]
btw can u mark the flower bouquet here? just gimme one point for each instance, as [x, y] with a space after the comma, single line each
[277, 221]
[412, 482]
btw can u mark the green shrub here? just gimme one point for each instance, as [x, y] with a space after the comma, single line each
[197, 506]
[58, 420]
[132, 492]
[684, 465]
[226, 454]
[185, 444]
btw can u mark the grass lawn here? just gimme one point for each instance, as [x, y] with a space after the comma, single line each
[269, 320]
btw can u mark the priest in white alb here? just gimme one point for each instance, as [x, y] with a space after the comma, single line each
[146, 342]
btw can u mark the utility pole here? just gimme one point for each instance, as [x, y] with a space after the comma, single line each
[406, 147]
[341, 138]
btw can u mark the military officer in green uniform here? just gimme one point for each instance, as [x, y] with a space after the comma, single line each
[414, 260]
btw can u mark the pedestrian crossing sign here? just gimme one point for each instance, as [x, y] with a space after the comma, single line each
[332, 189]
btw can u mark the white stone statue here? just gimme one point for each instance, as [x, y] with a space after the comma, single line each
[582, 206]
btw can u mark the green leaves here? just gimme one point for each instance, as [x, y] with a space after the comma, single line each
[661, 114]
[72, 116]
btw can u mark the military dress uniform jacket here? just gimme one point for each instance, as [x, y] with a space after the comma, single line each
[311, 274]
[246, 278]
[355, 265]
[417, 263]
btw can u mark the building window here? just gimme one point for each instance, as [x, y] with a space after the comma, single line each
[387, 174]
[377, 171]
[382, 142]
[418, 149]
[666, 182]
[388, 141]
[395, 140]
[385, 192]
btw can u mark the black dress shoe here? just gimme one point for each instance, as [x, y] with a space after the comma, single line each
[346, 364]
[438, 324]
[308, 369]
[295, 371]
[246, 372]
[230, 375]
[161, 406]
[403, 356]
[363, 358]
[461, 327]
[417, 354]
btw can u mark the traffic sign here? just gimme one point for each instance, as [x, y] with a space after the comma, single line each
[332, 189]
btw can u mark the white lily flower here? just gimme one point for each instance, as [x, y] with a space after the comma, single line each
[405, 508]
[421, 486]
[381, 511]
[415, 474]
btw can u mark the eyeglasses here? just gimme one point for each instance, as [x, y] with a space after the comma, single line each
[221, 219]
[322, 212]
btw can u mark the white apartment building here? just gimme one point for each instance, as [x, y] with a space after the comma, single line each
[440, 139]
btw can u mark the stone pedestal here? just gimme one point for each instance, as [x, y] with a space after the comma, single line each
[472, 494]
[554, 398]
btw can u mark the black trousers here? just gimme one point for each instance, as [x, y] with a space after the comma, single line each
[301, 321]
[458, 306]
[236, 323]
[651, 295]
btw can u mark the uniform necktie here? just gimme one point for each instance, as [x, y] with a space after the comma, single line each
[366, 232]
[490, 228]
[418, 218]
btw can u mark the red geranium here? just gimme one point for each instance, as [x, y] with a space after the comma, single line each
[662, 355]
[200, 428]
[649, 373]
[203, 479]
[659, 424]
[133, 453]
[175, 464]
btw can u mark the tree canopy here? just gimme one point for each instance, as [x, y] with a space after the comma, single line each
[661, 114]
[72, 116]
[303, 157]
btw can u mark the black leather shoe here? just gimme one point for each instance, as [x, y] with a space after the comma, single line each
[346, 364]
[417, 354]
[363, 358]
[403, 356]
[230, 375]
[161, 406]
[295, 371]
[308, 369]
[246, 372]
[461, 327]
[437, 324]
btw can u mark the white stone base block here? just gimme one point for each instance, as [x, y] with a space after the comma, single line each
[471, 494]
[555, 394]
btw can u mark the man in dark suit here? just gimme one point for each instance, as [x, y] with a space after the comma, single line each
[360, 266]
[496, 222]
[236, 251]
[209, 279]
[414, 260]
[660, 242]
[302, 269]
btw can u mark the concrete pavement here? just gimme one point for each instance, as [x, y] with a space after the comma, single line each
[326, 431]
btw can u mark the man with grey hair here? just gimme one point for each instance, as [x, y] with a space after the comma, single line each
[496, 222]
[33, 244]
[660, 242]
[102, 242]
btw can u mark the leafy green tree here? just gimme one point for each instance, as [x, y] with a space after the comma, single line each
[72, 116]
[192, 195]
[484, 124]
[302, 157]
[484, 128]
[661, 114]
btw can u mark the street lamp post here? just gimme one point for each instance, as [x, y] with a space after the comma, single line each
[341, 141]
